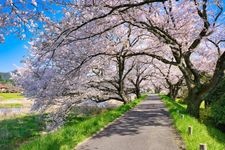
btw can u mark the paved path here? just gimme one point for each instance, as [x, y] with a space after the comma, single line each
[146, 127]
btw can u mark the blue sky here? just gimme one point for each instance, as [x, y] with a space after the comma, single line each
[12, 51]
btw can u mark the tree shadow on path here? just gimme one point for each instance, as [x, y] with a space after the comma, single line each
[146, 114]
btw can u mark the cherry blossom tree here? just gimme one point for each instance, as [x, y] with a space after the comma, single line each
[180, 34]
[173, 78]
[140, 75]
[111, 79]
[112, 82]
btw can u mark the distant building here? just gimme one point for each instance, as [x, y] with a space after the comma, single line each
[3, 88]
[8, 88]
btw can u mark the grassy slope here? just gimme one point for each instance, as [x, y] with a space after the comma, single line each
[202, 133]
[9, 96]
[17, 130]
[13, 105]
[77, 129]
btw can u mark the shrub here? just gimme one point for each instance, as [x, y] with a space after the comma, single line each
[218, 110]
[216, 93]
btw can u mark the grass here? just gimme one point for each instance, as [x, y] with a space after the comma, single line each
[202, 133]
[15, 131]
[10, 96]
[11, 105]
[77, 129]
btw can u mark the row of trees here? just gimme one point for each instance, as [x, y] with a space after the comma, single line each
[2, 80]
[112, 48]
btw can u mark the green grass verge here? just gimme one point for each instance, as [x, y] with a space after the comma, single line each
[15, 131]
[77, 129]
[9, 96]
[202, 133]
[11, 105]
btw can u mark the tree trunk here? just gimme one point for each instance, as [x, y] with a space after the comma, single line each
[157, 89]
[193, 101]
[124, 98]
[172, 93]
[123, 95]
[193, 108]
[174, 88]
[137, 91]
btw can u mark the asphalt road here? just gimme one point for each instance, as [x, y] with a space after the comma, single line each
[146, 127]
